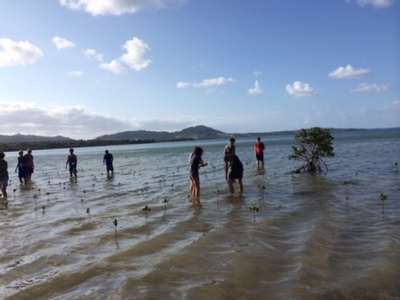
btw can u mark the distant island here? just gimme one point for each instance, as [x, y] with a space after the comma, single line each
[200, 132]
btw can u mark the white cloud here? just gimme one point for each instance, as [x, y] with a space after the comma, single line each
[18, 53]
[206, 83]
[299, 89]
[114, 66]
[182, 85]
[92, 54]
[116, 7]
[348, 72]
[75, 73]
[213, 82]
[62, 43]
[374, 3]
[387, 115]
[134, 57]
[256, 89]
[78, 122]
[364, 87]
[135, 54]
[69, 121]
[257, 73]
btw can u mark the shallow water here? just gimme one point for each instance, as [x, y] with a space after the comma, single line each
[315, 236]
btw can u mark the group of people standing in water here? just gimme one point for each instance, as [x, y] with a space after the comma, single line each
[233, 166]
[25, 167]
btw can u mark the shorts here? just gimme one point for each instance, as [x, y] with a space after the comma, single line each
[260, 157]
[194, 176]
[4, 183]
[235, 175]
[109, 167]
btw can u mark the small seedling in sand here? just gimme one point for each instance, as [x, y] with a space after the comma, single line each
[115, 222]
[217, 192]
[35, 197]
[146, 209]
[383, 197]
[262, 189]
[254, 209]
[165, 202]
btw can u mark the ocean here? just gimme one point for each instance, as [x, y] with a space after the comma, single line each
[314, 236]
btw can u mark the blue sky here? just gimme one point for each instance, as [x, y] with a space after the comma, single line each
[84, 68]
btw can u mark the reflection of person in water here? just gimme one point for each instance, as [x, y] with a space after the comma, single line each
[235, 172]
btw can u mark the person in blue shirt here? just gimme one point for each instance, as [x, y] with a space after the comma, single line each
[22, 167]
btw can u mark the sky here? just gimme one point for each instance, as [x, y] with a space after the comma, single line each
[86, 68]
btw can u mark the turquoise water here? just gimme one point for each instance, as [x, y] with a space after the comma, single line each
[316, 236]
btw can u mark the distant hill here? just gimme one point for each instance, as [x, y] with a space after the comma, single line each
[190, 133]
[21, 138]
[20, 141]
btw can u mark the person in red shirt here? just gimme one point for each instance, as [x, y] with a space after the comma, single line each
[259, 148]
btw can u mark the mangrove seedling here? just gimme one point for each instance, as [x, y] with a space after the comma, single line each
[115, 222]
[165, 202]
[254, 209]
[217, 192]
[146, 209]
[383, 197]
[262, 188]
[88, 210]
[313, 145]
